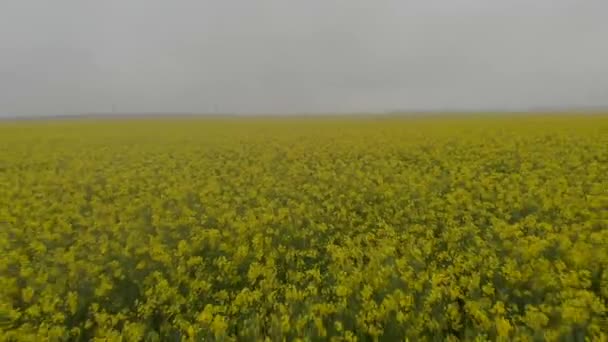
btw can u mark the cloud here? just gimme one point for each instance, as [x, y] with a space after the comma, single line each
[69, 56]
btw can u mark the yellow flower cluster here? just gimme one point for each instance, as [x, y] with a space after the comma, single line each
[438, 228]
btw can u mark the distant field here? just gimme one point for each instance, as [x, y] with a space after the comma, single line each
[345, 228]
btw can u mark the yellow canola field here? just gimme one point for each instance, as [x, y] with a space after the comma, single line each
[305, 229]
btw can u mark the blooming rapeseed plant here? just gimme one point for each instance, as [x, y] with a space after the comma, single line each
[301, 229]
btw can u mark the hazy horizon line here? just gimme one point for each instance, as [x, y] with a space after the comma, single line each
[405, 113]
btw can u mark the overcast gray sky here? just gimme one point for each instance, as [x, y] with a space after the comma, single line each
[273, 56]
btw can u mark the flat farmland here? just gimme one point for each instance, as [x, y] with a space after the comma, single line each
[326, 228]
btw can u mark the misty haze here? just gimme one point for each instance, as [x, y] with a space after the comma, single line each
[336, 170]
[73, 57]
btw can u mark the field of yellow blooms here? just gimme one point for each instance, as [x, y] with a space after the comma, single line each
[305, 229]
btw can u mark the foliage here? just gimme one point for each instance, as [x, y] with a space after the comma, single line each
[416, 229]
